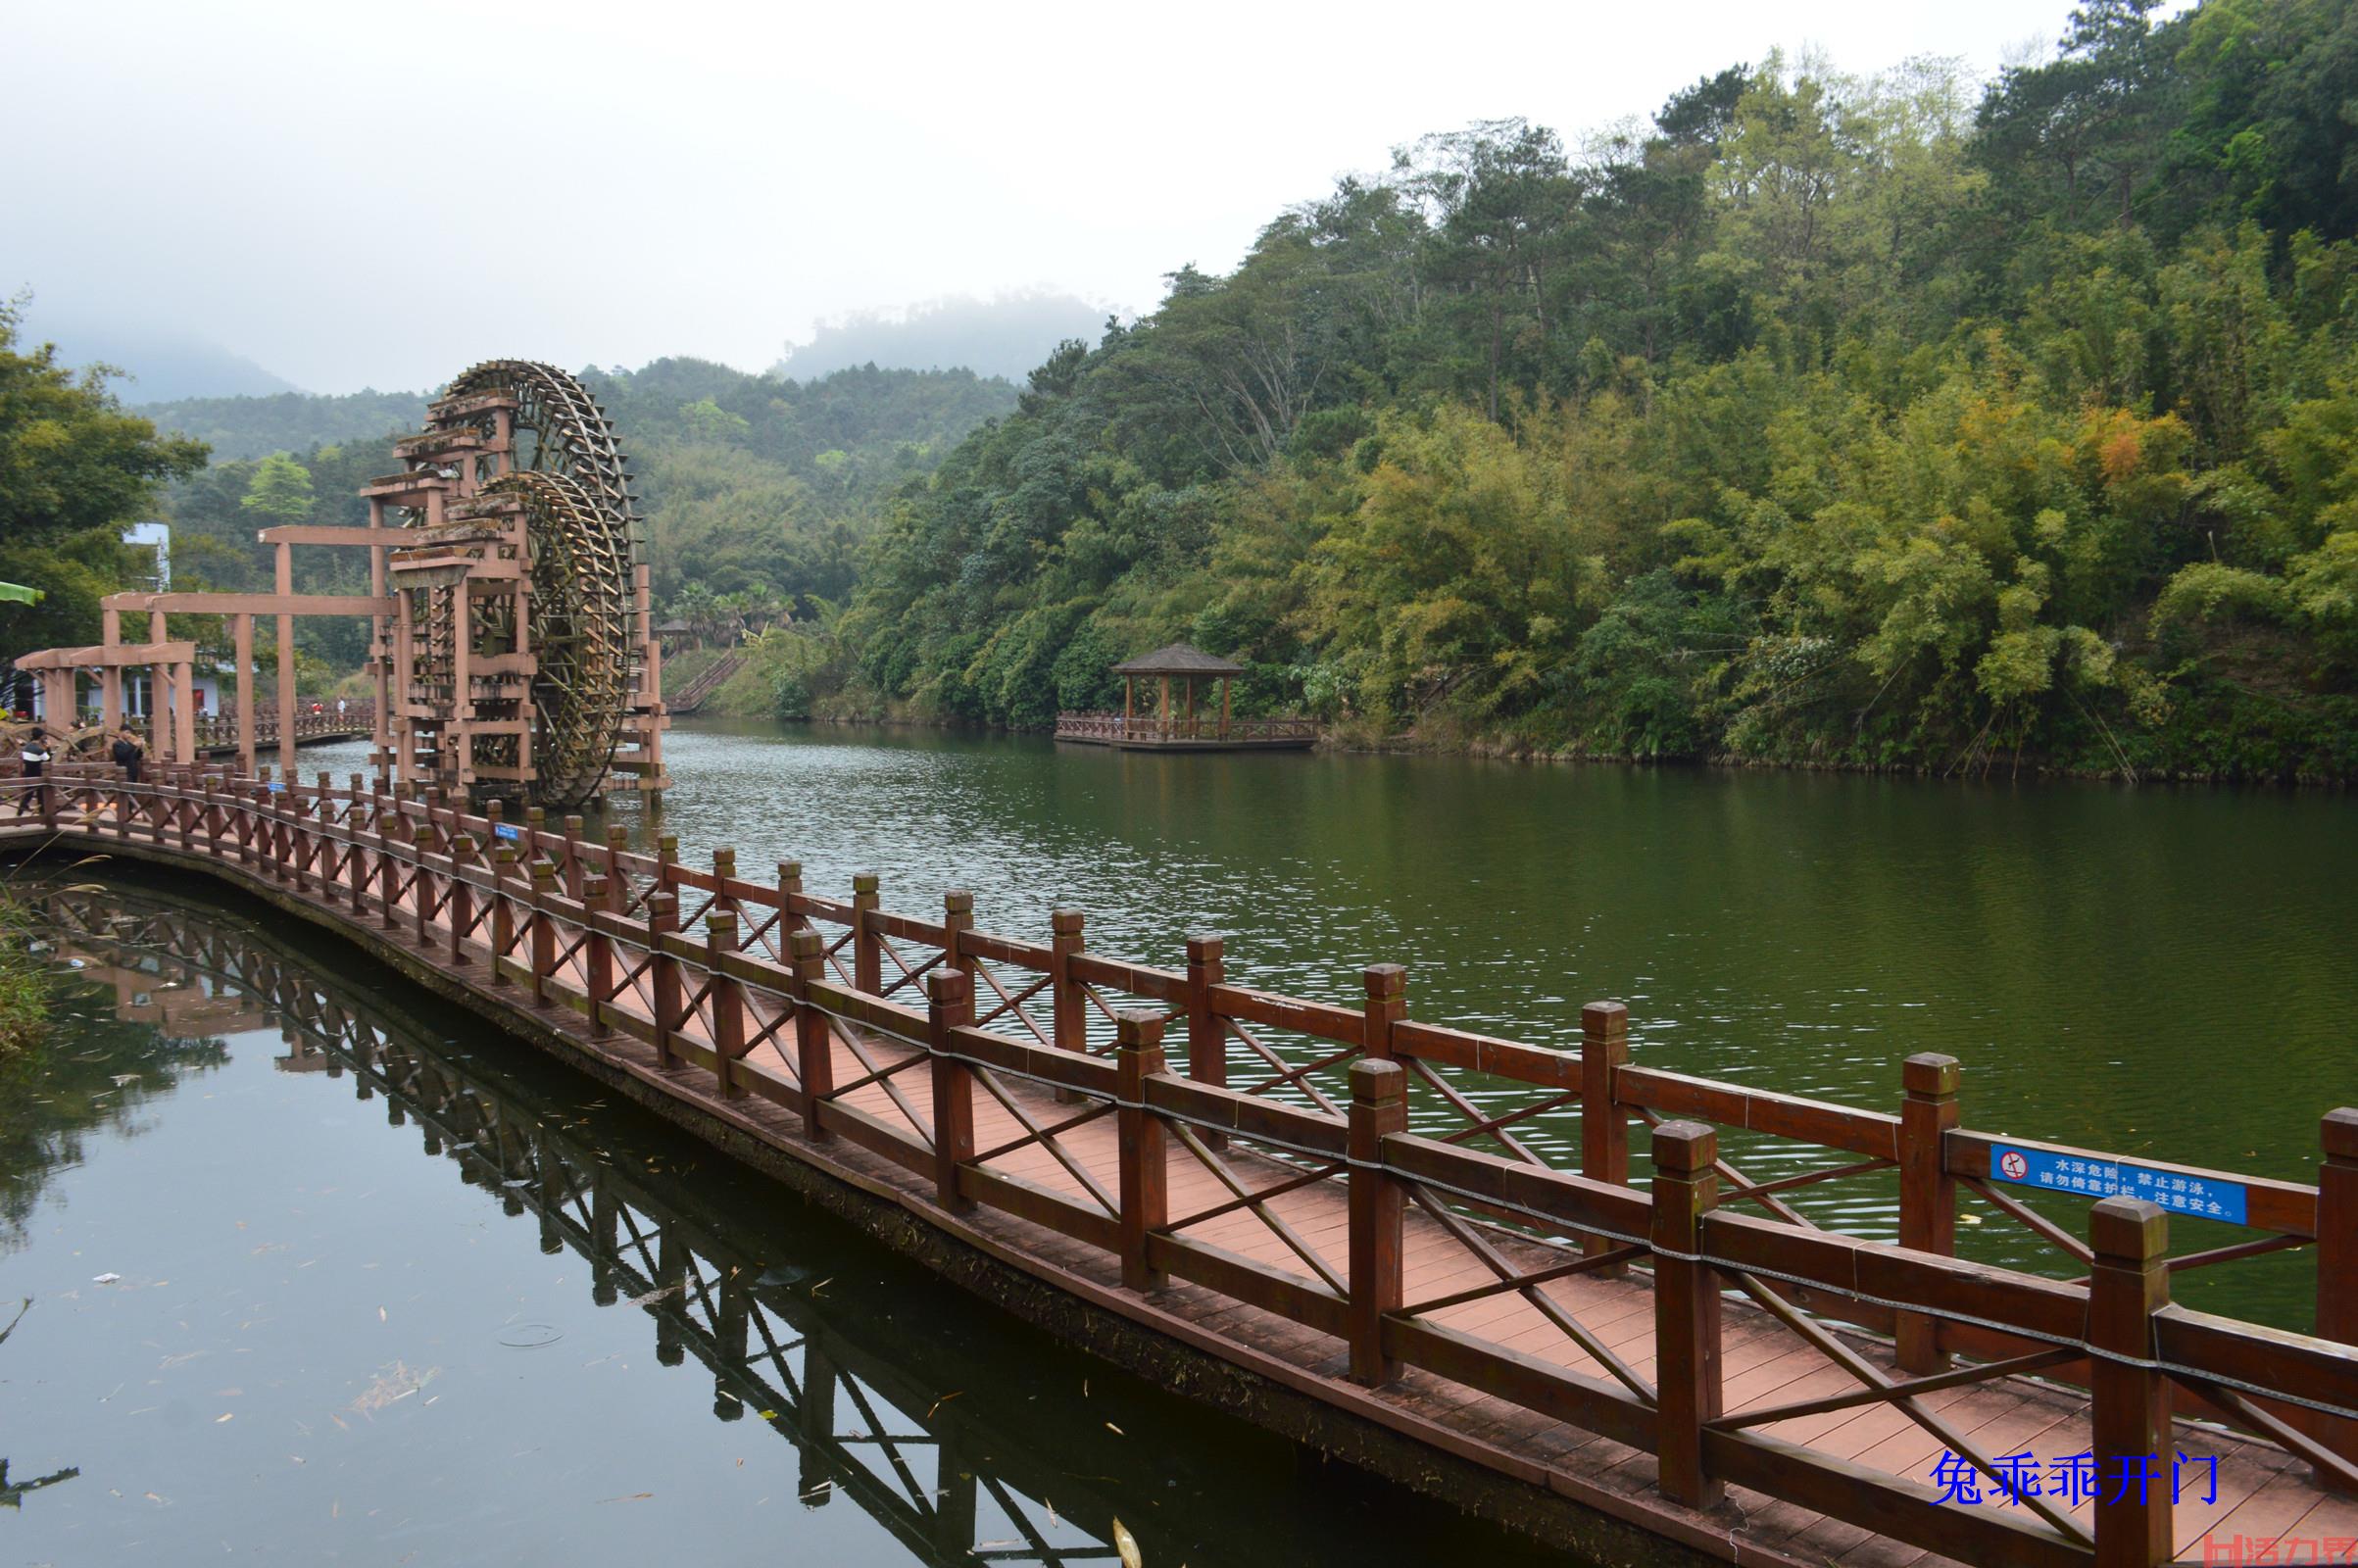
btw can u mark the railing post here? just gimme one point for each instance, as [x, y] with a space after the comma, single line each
[662, 975]
[572, 865]
[459, 906]
[298, 840]
[1143, 1145]
[1604, 1127]
[2129, 1281]
[355, 865]
[1206, 1035]
[544, 931]
[957, 914]
[813, 1049]
[597, 952]
[949, 1004]
[868, 954]
[1387, 1005]
[2338, 1228]
[1928, 1193]
[422, 878]
[1068, 997]
[502, 908]
[1379, 1106]
[729, 1003]
[1687, 1310]
[724, 871]
[391, 828]
[790, 888]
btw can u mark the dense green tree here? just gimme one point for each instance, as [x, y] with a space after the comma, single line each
[74, 469]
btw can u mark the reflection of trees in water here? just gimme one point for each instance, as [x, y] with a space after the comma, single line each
[119, 1032]
[951, 1477]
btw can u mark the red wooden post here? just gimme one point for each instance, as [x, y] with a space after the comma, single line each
[460, 904]
[949, 1004]
[813, 1049]
[356, 863]
[729, 1003]
[1207, 1034]
[502, 908]
[1687, 1308]
[291, 810]
[1067, 997]
[868, 954]
[1928, 1193]
[572, 863]
[544, 931]
[1603, 1125]
[957, 914]
[2338, 1265]
[1387, 1005]
[421, 880]
[790, 888]
[2129, 1281]
[1145, 1172]
[1379, 1106]
[389, 830]
[618, 885]
[597, 952]
[2338, 1228]
[724, 871]
[662, 975]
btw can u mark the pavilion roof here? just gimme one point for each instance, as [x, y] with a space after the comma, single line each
[1179, 658]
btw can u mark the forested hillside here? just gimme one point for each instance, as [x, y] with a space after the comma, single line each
[1894, 420]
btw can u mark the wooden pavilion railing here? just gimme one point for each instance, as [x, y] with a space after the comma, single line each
[1203, 727]
[1277, 1095]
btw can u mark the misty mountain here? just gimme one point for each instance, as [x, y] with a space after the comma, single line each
[238, 428]
[1009, 336]
[160, 367]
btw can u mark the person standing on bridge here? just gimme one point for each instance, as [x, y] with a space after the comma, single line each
[127, 754]
[35, 757]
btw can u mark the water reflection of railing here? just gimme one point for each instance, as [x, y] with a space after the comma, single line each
[907, 1458]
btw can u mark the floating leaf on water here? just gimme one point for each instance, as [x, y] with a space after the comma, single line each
[1969, 1219]
[656, 1295]
[1117, 1430]
[1127, 1544]
[104, 1279]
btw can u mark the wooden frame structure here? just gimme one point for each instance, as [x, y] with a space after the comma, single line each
[1357, 1204]
[514, 652]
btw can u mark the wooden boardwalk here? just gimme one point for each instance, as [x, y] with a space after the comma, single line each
[1609, 1343]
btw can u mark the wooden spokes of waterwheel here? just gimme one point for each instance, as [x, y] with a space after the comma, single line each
[530, 433]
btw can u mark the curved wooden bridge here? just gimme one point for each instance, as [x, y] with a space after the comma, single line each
[1353, 1208]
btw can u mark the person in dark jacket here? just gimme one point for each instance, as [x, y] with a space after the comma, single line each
[35, 757]
[127, 754]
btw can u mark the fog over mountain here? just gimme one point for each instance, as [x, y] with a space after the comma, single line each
[158, 366]
[1007, 336]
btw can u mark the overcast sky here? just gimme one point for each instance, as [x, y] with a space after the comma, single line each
[374, 194]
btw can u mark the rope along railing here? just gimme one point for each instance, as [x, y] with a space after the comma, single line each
[1218, 1185]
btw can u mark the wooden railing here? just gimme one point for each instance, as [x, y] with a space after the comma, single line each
[692, 696]
[215, 731]
[763, 988]
[1146, 727]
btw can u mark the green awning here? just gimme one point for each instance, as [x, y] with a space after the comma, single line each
[13, 593]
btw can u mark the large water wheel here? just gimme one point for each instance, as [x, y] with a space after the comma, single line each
[538, 436]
